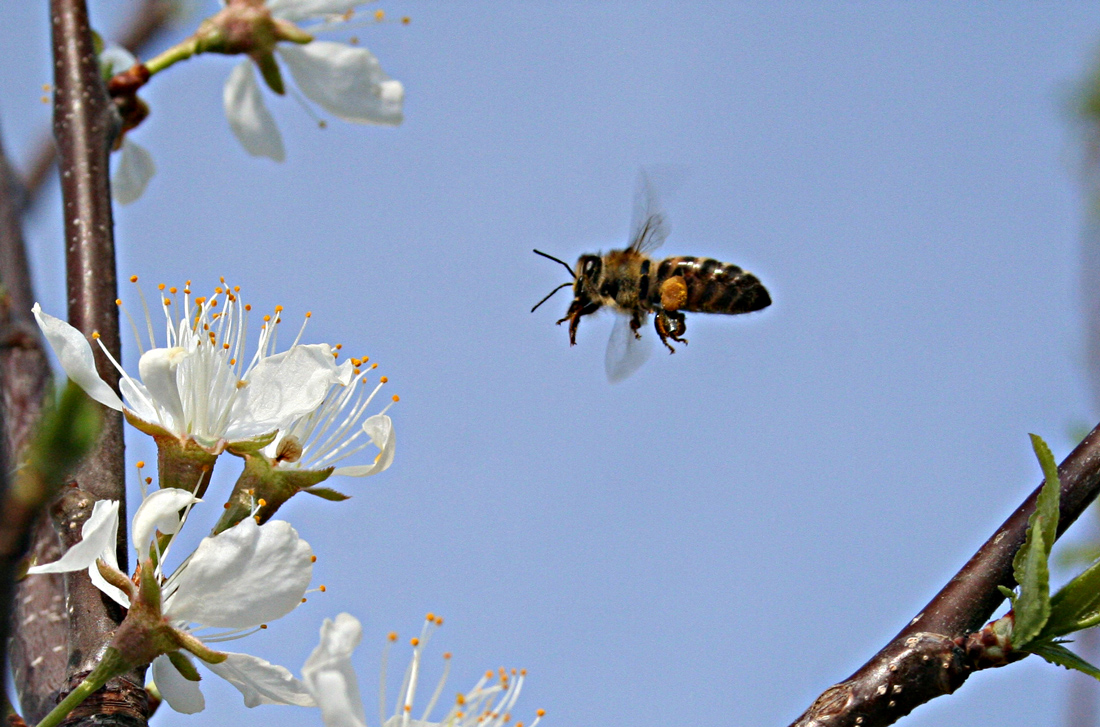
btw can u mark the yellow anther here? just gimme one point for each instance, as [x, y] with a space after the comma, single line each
[414, 641]
[489, 674]
[218, 289]
[248, 306]
[200, 300]
[118, 301]
[256, 518]
[396, 398]
[353, 40]
[133, 278]
[523, 672]
[408, 708]
[392, 636]
[278, 309]
[339, 346]
[140, 463]
[439, 621]
[213, 303]
[379, 15]
[225, 346]
[541, 712]
[44, 99]
[303, 600]
[460, 699]
[95, 335]
[374, 365]
[406, 20]
[261, 502]
[232, 362]
[309, 314]
[161, 286]
[430, 617]
[366, 358]
[384, 380]
[173, 290]
[446, 655]
[148, 480]
[267, 318]
[236, 288]
[227, 506]
[313, 559]
[46, 88]
[167, 302]
[322, 589]
[263, 626]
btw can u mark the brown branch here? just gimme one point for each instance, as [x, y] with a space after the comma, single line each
[144, 25]
[37, 608]
[85, 126]
[924, 661]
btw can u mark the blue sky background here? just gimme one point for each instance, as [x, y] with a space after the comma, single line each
[736, 527]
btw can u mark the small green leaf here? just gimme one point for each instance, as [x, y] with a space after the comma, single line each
[1032, 606]
[327, 493]
[1061, 656]
[1008, 593]
[1048, 502]
[1076, 605]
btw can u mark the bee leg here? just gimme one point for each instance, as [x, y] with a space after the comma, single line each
[637, 320]
[670, 324]
[573, 315]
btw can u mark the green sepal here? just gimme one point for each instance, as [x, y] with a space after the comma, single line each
[1032, 605]
[149, 588]
[184, 666]
[327, 493]
[269, 70]
[255, 444]
[1059, 655]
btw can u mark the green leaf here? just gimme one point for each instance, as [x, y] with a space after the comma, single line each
[327, 493]
[1076, 606]
[1061, 656]
[1032, 606]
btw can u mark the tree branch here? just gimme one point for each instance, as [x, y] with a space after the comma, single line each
[924, 660]
[85, 126]
[143, 27]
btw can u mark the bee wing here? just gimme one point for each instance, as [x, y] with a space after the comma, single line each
[648, 226]
[625, 352]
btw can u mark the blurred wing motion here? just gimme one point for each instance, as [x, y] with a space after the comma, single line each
[625, 352]
[648, 226]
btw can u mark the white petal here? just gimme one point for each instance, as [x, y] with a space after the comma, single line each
[157, 368]
[329, 675]
[262, 682]
[283, 387]
[75, 354]
[97, 538]
[294, 10]
[380, 430]
[132, 173]
[249, 118]
[159, 511]
[347, 81]
[116, 59]
[243, 577]
[182, 695]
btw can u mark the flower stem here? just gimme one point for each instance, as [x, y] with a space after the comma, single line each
[112, 665]
[175, 54]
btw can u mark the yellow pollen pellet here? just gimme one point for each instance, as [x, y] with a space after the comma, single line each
[313, 559]
[396, 398]
[414, 641]
[392, 636]
[379, 15]
[118, 301]
[384, 380]
[95, 335]
[322, 589]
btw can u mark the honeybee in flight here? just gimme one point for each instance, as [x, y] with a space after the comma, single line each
[635, 285]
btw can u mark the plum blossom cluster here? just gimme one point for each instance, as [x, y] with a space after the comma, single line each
[346, 80]
[295, 416]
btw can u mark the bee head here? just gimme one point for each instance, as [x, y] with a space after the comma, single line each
[588, 272]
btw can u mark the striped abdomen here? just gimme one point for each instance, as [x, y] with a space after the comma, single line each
[712, 286]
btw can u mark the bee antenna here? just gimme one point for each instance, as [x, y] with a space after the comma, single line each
[564, 264]
[555, 290]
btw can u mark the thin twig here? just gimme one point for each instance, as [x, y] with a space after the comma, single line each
[923, 661]
[85, 126]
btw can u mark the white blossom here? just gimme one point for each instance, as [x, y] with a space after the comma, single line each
[347, 81]
[201, 385]
[329, 676]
